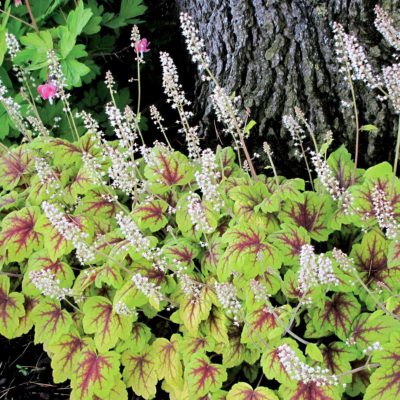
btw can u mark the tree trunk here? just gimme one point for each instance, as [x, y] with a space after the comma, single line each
[278, 54]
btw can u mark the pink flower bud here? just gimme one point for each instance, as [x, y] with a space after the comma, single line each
[17, 3]
[47, 91]
[141, 46]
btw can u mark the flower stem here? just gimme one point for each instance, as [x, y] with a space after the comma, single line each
[34, 24]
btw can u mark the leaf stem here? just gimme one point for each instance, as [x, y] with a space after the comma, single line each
[34, 24]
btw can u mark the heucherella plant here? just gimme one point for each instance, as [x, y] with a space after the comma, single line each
[142, 269]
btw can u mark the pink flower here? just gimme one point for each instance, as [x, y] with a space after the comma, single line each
[141, 46]
[47, 91]
[17, 3]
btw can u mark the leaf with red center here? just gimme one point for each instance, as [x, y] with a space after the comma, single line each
[140, 372]
[204, 377]
[226, 160]
[393, 256]
[11, 309]
[169, 360]
[183, 250]
[271, 364]
[107, 326]
[95, 374]
[212, 254]
[26, 321]
[247, 252]
[97, 204]
[79, 184]
[288, 189]
[338, 314]
[9, 201]
[235, 352]
[106, 274]
[375, 327]
[15, 166]
[309, 391]
[138, 339]
[19, 236]
[168, 169]
[55, 244]
[377, 177]
[289, 241]
[246, 198]
[41, 261]
[192, 345]
[118, 391]
[193, 310]
[243, 391]
[151, 215]
[290, 286]
[66, 352]
[337, 357]
[385, 380]
[216, 326]
[262, 325]
[312, 214]
[51, 321]
[360, 379]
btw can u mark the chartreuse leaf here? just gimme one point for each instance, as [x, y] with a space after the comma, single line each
[182, 250]
[107, 326]
[11, 308]
[41, 261]
[313, 351]
[271, 364]
[65, 355]
[370, 260]
[202, 376]
[140, 372]
[243, 391]
[26, 321]
[385, 380]
[216, 325]
[95, 375]
[375, 327]
[309, 391]
[337, 314]
[337, 357]
[151, 215]
[264, 324]
[51, 321]
[15, 167]
[19, 236]
[192, 345]
[379, 177]
[247, 252]
[168, 169]
[193, 310]
[235, 352]
[169, 360]
[289, 240]
[312, 213]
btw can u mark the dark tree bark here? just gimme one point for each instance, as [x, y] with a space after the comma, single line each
[278, 54]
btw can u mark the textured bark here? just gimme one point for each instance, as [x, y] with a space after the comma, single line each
[279, 53]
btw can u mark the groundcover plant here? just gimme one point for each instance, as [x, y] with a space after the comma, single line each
[142, 268]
